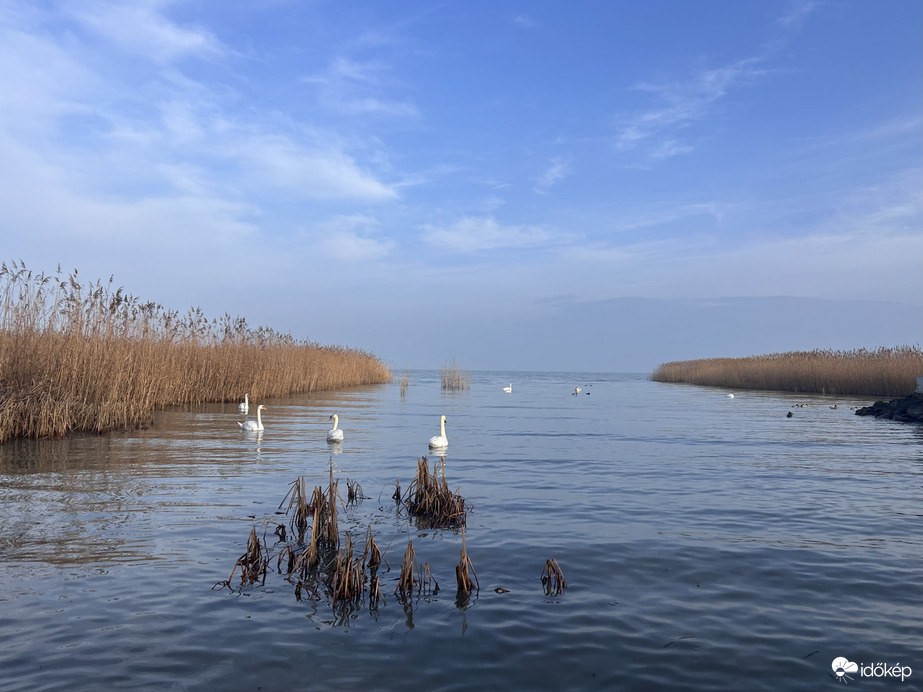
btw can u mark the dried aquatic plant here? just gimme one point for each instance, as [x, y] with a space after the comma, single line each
[553, 578]
[462, 576]
[429, 500]
[252, 563]
[454, 378]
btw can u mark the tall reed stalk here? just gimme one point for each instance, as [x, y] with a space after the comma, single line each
[454, 378]
[861, 372]
[78, 357]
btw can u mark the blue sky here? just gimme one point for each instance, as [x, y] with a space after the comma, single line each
[460, 180]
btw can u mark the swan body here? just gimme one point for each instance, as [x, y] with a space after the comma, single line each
[244, 406]
[730, 396]
[577, 390]
[253, 425]
[509, 389]
[440, 440]
[335, 435]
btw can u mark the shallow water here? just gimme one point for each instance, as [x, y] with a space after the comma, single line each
[708, 543]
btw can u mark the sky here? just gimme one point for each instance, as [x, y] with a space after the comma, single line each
[581, 186]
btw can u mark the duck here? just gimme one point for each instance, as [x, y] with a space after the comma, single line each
[509, 389]
[253, 425]
[244, 406]
[335, 435]
[440, 440]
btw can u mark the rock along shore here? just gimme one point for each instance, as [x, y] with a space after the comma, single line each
[906, 410]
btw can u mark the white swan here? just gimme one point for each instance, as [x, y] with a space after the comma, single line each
[440, 440]
[730, 396]
[244, 407]
[253, 425]
[335, 435]
[509, 389]
[577, 390]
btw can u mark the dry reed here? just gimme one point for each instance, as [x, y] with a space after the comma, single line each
[880, 372]
[429, 500]
[462, 577]
[252, 563]
[80, 357]
[553, 578]
[454, 378]
[405, 381]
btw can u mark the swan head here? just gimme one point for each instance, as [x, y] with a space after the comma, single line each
[261, 408]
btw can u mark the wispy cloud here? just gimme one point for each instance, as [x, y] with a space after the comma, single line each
[350, 238]
[355, 88]
[797, 14]
[472, 234]
[558, 169]
[684, 102]
[143, 28]
[524, 21]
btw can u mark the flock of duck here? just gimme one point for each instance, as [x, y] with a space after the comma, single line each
[335, 434]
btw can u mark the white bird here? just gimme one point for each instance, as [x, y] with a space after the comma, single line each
[244, 406]
[253, 425]
[508, 389]
[440, 440]
[335, 435]
[577, 390]
[730, 396]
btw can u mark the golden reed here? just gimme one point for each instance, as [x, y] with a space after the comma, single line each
[91, 358]
[880, 372]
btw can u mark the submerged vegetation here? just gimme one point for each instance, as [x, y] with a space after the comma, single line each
[880, 372]
[91, 358]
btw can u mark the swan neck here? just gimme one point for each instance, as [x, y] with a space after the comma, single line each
[336, 421]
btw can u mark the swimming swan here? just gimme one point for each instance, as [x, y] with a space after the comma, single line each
[730, 396]
[335, 435]
[577, 390]
[509, 389]
[253, 425]
[440, 440]
[244, 407]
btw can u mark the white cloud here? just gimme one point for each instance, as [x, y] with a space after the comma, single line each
[524, 21]
[686, 101]
[140, 27]
[797, 14]
[349, 238]
[354, 88]
[472, 234]
[558, 169]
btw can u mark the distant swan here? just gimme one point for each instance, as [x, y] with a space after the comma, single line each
[244, 407]
[577, 390]
[439, 440]
[253, 425]
[730, 396]
[508, 389]
[335, 435]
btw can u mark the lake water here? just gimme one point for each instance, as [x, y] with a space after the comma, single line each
[707, 542]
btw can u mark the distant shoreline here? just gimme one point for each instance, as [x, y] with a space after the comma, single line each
[879, 372]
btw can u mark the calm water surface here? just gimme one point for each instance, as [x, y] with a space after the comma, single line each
[708, 543]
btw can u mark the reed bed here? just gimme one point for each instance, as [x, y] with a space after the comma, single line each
[429, 500]
[454, 378]
[89, 357]
[880, 372]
